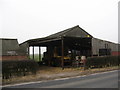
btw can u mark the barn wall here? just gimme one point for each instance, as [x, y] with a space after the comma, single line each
[23, 49]
[101, 44]
[9, 46]
[115, 53]
[96, 45]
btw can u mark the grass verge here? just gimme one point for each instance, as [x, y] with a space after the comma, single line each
[50, 73]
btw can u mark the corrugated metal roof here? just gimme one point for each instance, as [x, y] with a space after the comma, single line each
[75, 31]
[71, 32]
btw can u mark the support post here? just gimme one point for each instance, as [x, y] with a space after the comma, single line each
[62, 59]
[33, 52]
[39, 53]
[28, 52]
[91, 47]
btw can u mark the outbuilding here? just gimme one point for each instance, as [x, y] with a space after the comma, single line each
[10, 50]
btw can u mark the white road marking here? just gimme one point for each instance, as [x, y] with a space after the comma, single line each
[22, 84]
[56, 79]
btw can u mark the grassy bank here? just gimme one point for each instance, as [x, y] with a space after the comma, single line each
[50, 73]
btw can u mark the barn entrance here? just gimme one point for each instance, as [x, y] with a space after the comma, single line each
[36, 53]
[65, 51]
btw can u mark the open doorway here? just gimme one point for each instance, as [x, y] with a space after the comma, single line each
[36, 53]
[43, 50]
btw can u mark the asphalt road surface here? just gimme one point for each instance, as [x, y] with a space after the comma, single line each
[99, 80]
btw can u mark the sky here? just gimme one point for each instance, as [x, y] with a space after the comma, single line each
[29, 19]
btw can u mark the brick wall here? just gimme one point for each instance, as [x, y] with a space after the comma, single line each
[115, 53]
[13, 57]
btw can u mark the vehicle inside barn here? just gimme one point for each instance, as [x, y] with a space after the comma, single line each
[72, 47]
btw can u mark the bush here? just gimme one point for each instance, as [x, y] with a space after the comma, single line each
[103, 61]
[18, 68]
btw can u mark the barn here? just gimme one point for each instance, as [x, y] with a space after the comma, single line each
[64, 46]
[10, 50]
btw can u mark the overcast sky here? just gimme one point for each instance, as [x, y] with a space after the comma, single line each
[29, 19]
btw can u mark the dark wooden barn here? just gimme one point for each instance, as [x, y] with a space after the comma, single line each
[63, 46]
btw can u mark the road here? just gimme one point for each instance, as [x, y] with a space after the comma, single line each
[99, 80]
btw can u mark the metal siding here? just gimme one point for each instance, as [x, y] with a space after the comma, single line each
[9, 45]
[114, 47]
[100, 44]
[96, 44]
[24, 48]
[77, 32]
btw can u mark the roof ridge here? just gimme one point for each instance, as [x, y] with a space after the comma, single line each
[85, 31]
[67, 30]
[70, 29]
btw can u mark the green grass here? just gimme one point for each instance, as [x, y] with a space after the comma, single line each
[36, 57]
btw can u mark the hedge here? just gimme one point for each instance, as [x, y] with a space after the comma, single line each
[103, 61]
[18, 68]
